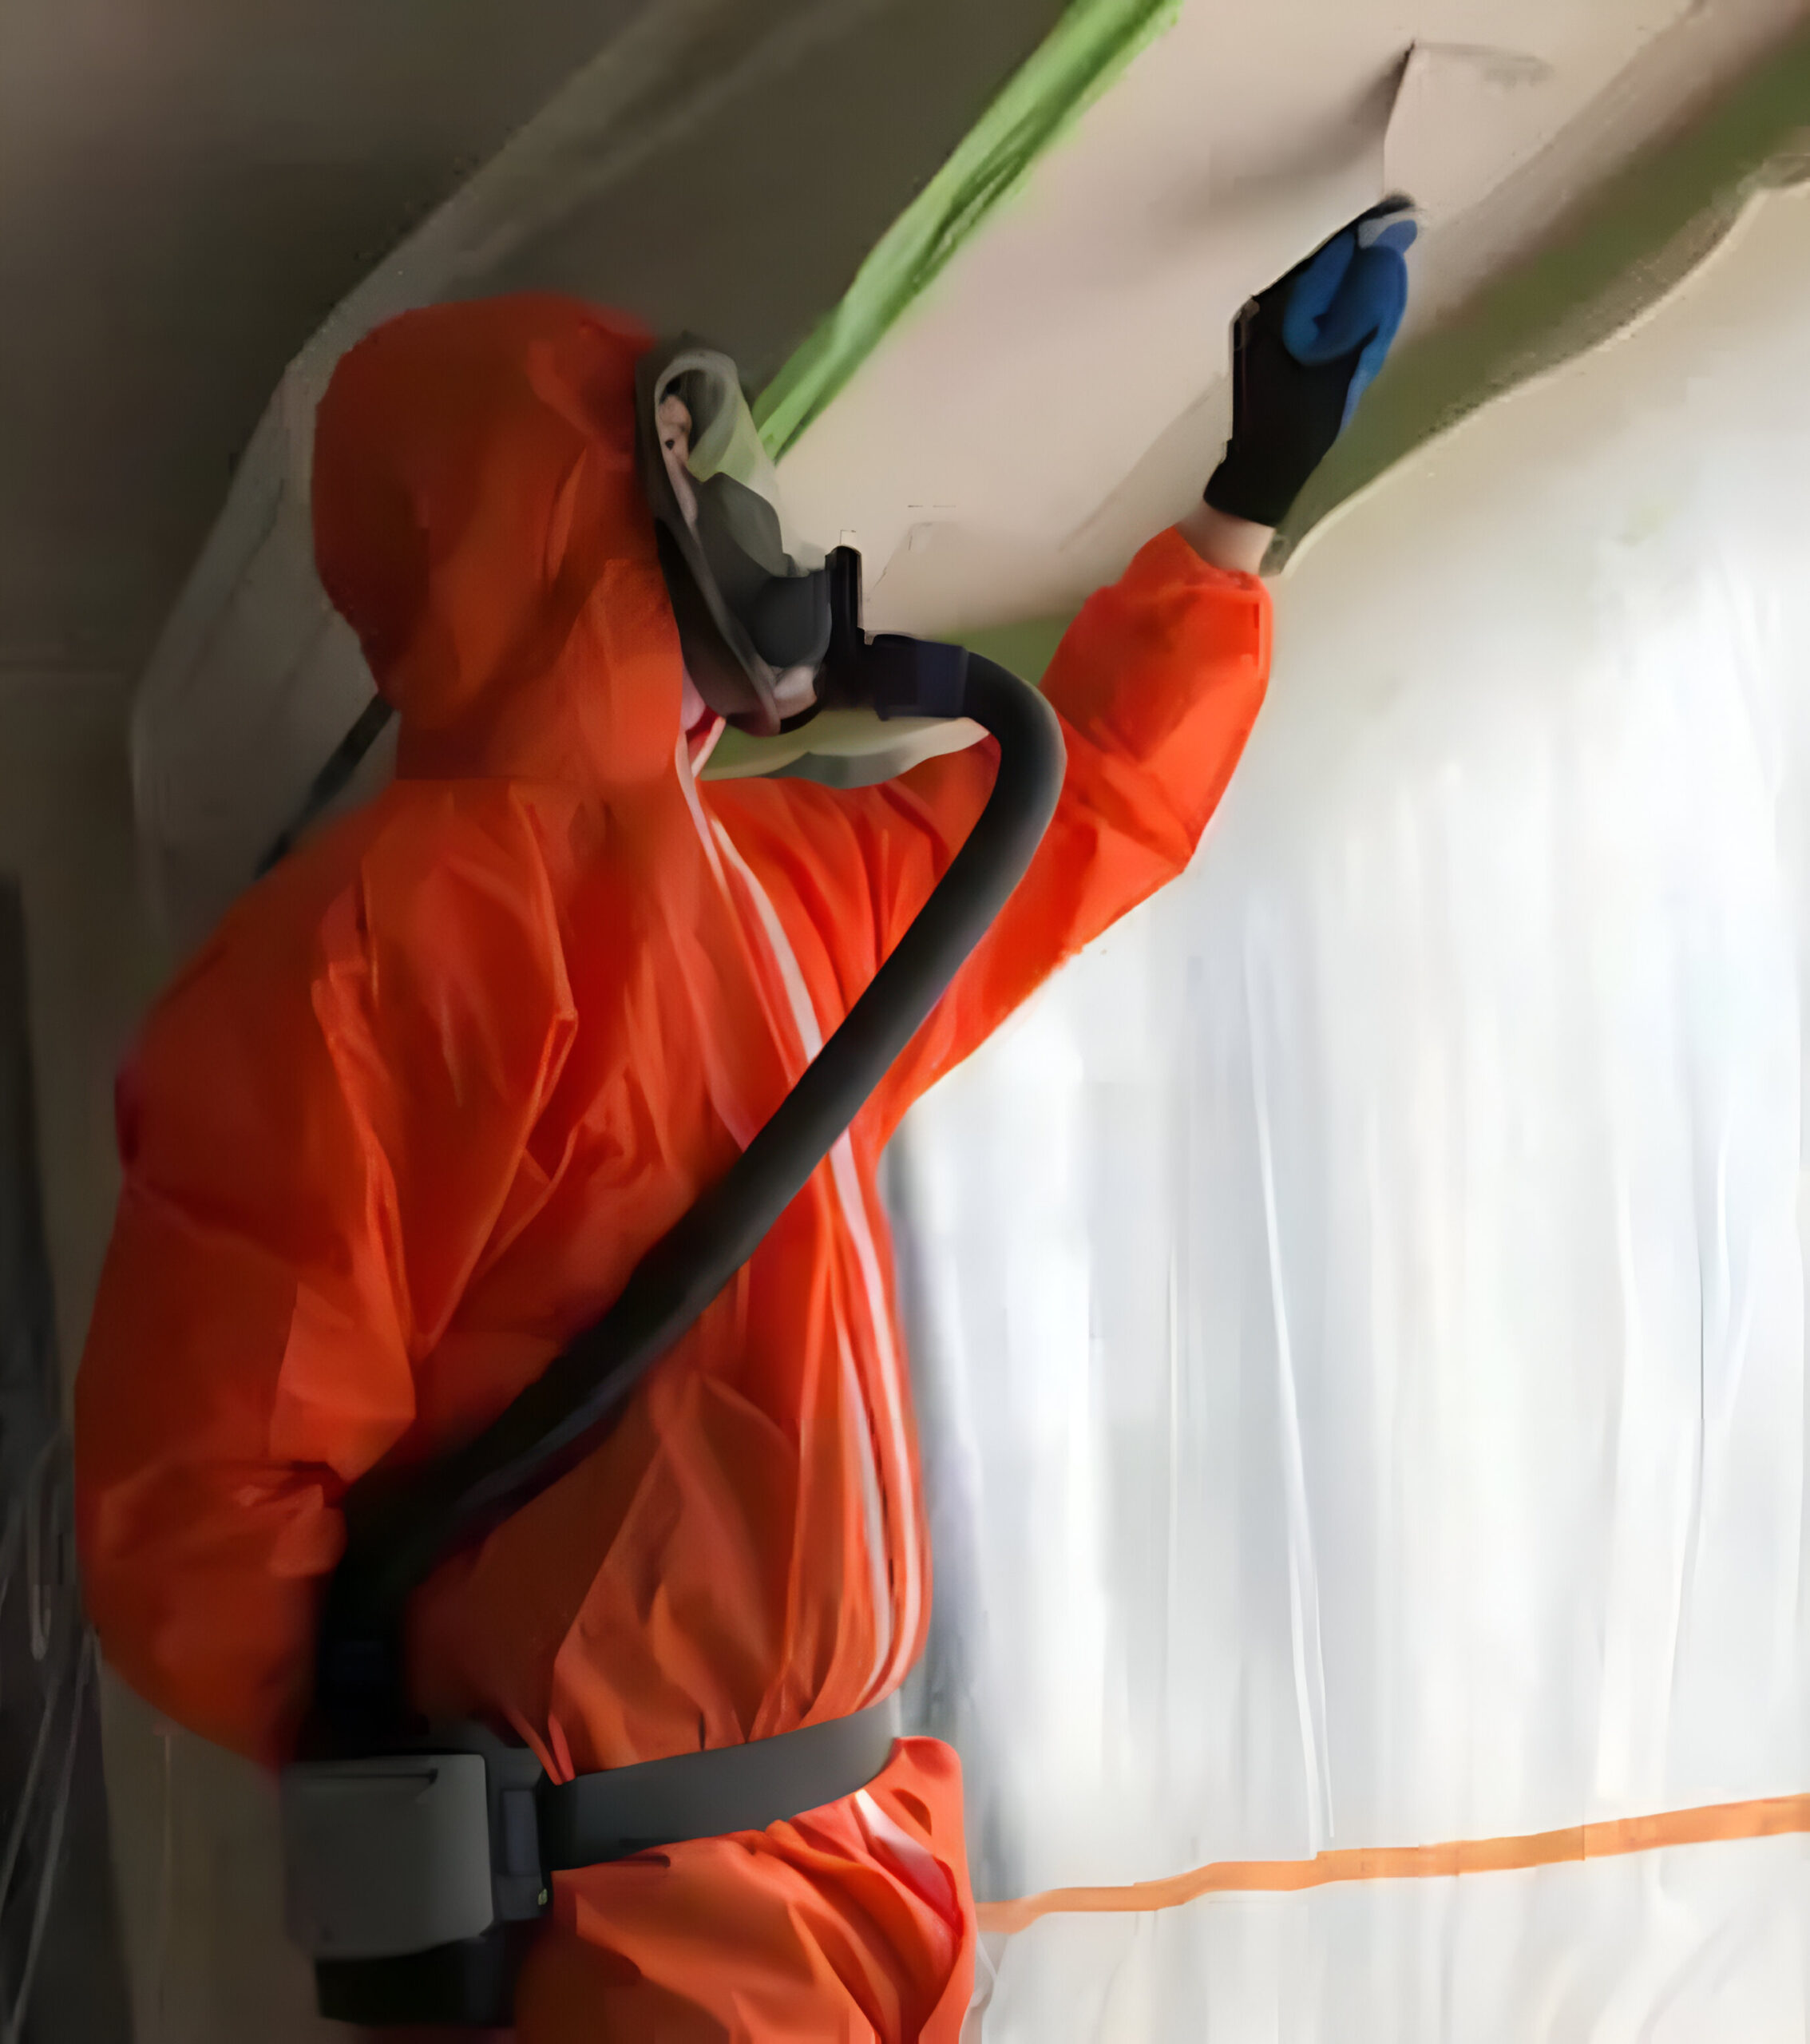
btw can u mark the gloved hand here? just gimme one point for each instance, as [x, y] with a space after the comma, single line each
[1303, 352]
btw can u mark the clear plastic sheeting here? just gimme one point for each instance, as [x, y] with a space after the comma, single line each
[1361, 1304]
[1705, 1945]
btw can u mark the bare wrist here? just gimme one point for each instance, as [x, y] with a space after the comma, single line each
[1224, 541]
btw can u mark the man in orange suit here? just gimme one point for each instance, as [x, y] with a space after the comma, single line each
[414, 1111]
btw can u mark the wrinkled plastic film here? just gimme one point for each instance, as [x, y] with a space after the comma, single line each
[1369, 1283]
[1678, 1946]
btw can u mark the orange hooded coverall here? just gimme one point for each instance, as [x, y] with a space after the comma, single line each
[412, 1113]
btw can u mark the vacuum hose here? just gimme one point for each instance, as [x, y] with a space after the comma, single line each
[400, 1523]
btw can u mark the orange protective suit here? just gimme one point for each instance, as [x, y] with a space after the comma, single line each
[412, 1113]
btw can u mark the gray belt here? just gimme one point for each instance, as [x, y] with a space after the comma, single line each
[398, 1854]
[625, 1810]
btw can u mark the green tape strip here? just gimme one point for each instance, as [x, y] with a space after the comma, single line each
[1081, 55]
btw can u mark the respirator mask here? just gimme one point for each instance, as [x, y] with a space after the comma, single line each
[752, 600]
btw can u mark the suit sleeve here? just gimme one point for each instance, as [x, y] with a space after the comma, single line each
[1157, 683]
[324, 1118]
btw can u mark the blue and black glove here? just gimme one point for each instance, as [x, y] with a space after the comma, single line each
[1303, 352]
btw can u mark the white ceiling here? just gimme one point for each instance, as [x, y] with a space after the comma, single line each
[1062, 395]
[188, 186]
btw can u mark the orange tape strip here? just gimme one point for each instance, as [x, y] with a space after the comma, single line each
[1775, 1817]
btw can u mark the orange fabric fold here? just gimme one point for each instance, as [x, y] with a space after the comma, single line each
[434, 1086]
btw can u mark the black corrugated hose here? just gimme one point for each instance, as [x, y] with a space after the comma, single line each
[399, 1524]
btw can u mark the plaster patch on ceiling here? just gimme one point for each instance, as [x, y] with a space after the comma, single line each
[1055, 387]
[1465, 116]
